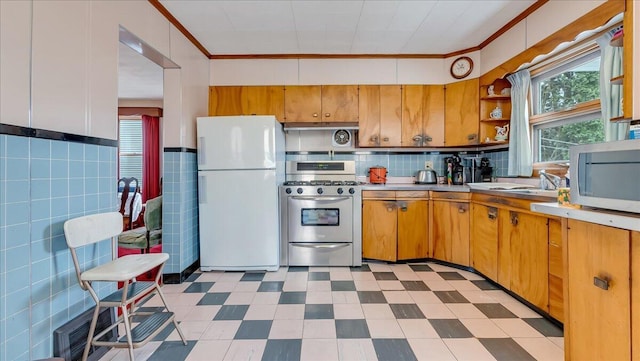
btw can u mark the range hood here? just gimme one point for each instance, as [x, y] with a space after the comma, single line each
[321, 126]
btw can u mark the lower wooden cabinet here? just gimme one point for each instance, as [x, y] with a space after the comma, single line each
[450, 227]
[484, 240]
[599, 293]
[394, 225]
[529, 253]
[556, 276]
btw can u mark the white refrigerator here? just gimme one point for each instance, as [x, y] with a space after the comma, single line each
[240, 166]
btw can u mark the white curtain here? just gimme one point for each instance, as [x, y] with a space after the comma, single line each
[520, 153]
[610, 95]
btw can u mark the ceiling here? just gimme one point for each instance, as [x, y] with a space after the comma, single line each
[324, 27]
[239, 27]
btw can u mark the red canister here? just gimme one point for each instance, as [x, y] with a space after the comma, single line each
[378, 175]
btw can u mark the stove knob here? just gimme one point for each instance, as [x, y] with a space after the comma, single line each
[320, 191]
[340, 191]
[288, 190]
[351, 190]
[299, 190]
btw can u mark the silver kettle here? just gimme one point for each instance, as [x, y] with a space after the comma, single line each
[426, 176]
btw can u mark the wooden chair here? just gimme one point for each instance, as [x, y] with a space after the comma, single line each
[130, 201]
[94, 228]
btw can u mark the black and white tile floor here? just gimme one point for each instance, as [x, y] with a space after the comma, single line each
[379, 311]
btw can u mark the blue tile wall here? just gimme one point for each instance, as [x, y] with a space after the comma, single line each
[180, 210]
[43, 183]
[404, 165]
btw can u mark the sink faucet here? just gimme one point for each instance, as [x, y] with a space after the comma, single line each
[552, 179]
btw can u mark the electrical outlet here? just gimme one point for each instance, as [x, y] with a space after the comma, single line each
[428, 164]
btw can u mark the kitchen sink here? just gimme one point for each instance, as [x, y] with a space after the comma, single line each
[553, 193]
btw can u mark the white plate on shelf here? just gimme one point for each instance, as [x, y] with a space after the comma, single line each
[499, 186]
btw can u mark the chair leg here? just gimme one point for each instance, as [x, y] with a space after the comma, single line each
[175, 323]
[127, 328]
[92, 329]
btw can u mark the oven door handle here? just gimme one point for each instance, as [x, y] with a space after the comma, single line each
[326, 199]
[316, 245]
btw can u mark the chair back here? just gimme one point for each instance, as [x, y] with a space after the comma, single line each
[90, 229]
[153, 214]
[126, 186]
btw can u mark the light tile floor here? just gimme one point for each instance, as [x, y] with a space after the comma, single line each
[421, 311]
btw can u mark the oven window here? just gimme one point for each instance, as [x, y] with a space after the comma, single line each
[320, 216]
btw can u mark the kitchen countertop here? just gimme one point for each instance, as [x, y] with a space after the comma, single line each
[415, 187]
[630, 221]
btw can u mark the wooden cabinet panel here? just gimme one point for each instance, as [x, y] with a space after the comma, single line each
[380, 108]
[450, 231]
[303, 103]
[264, 100]
[225, 100]
[504, 249]
[484, 240]
[635, 295]
[379, 230]
[247, 100]
[423, 115]
[599, 320]
[556, 298]
[529, 258]
[340, 103]
[412, 229]
[462, 113]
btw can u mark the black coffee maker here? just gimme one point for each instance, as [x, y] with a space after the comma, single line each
[485, 171]
[454, 170]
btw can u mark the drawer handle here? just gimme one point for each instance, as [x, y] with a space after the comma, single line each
[319, 246]
[403, 208]
[601, 283]
[461, 210]
[514, 218]
[493, 213]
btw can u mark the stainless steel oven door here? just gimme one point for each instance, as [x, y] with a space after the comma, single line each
[320, 219]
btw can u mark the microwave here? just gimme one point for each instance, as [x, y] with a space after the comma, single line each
[606, 175]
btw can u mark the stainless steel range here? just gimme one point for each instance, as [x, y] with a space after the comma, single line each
[320, 214]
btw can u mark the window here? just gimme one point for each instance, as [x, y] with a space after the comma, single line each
[130, 151]
[566, 106]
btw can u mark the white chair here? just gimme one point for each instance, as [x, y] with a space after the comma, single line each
[97, 227]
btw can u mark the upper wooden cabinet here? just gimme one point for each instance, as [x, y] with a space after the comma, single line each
[321, 103]
[423, 115]
[380, 113]
[461, 113]
[247, 100]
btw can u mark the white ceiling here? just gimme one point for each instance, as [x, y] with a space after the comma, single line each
[267, 27]
[138, 77]
[342, 27]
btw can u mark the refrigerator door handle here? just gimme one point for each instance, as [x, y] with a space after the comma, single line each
[201, 151]
[202, 190]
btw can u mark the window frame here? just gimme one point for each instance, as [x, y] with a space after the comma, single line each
[138, 119]
[556, 65]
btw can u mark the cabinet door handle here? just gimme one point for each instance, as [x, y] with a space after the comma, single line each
[471, 136]
[514, 217]
[402, 206]
[492, 213]
[389, 209]
[601, 283]
[374, 139]
[461, 209]
[315, 115]
[385, 139]
[427, 138]
[327, 115]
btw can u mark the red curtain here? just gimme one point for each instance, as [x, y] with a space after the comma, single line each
[151, 160]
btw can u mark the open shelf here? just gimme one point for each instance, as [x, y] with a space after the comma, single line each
[502, 120]
[496, 97]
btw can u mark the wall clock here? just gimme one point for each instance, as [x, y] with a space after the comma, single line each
[461, 67]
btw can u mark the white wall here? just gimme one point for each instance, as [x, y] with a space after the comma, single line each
[59, 68]
[334, 71]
